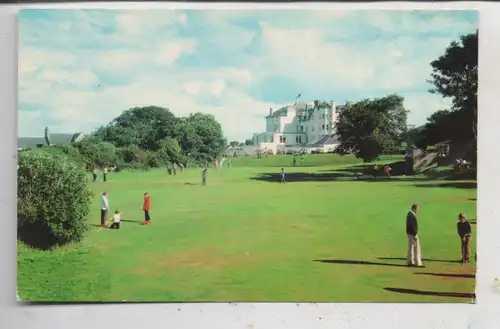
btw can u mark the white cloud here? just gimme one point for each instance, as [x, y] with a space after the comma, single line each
[305, 55]
[299, 50]
[137, 22]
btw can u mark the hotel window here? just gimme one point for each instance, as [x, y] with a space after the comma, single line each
[296, 139]
[284, 139]
[322, 127]
[327, 127]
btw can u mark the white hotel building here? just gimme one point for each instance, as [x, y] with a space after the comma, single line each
[305, 124]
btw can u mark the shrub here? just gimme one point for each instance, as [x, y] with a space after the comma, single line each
[53, 199]
[154, 160]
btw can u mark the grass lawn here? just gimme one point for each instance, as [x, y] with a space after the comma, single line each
[323, 237]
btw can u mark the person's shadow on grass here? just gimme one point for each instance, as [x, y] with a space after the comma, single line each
[430, 293]
[130, 221]
[423, 259]
[357, 262]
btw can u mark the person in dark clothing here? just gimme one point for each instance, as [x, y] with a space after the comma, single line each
[464, 230]
[204, 176]
[414, 255]
[294, 161]
[94, 175]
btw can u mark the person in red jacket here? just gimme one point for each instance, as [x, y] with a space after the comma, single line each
[146, 206]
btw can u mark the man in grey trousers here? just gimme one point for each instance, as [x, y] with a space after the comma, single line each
[414, 256]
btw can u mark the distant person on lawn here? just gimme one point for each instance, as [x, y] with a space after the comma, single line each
[94, 175]
[116, 220]
[105, 174]
[204, 176]
[465, 233]
[414, 256]
[104, 208]
[283, 176]
[146, 206]
[388, 170]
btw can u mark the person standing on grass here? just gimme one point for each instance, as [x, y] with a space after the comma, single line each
[465, 233]
[104, 208]
[294, 161]
[116, 220]
[94, 175]
[388, 171]
[414, 255]
[146, 206]
[283, 176]
[105, 174]
[204, 176]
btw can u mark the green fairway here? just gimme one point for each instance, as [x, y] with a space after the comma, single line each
[322, 237]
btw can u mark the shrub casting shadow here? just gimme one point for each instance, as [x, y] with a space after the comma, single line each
[430, 293]
[423, 259]
[449, 275]
[356, 262]
[37, 236]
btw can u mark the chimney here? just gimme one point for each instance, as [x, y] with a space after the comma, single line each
[47, 136]
[271, 111]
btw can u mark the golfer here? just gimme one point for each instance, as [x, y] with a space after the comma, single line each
[414, 256]
[146, 206]
[204, 176]
[104, 208]
[283, 176]
[465, 233]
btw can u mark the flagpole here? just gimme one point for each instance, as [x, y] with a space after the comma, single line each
[297, 99]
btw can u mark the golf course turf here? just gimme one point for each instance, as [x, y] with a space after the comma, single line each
[322, 237]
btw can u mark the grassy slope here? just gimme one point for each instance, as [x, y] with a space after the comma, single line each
[245, 240]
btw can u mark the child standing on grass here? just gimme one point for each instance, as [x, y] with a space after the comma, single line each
[283, 177]
[116, 220]
[146, 206]
[465, 233]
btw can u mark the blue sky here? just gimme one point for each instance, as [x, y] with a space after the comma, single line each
[78, 69]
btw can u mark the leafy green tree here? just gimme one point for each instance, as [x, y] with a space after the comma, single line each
[53, 199]
[141, 126]
[169, 151]
[202, 137]
[454, 76]
[96, 152]
[234, 143]
[248, 142]
[371, 127]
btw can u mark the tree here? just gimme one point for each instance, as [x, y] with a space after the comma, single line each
[140, 126]
[202, 137]
[371, 127]
[412, 135]
[454, 76]
[170, 152]
[234, 143]
[96, 152]
[248, 142]
[53, 199]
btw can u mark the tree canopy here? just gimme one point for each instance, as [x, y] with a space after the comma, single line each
[454, 77]
[371, 127]
[154, 135]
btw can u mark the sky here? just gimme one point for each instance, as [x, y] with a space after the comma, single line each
[79, 69]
